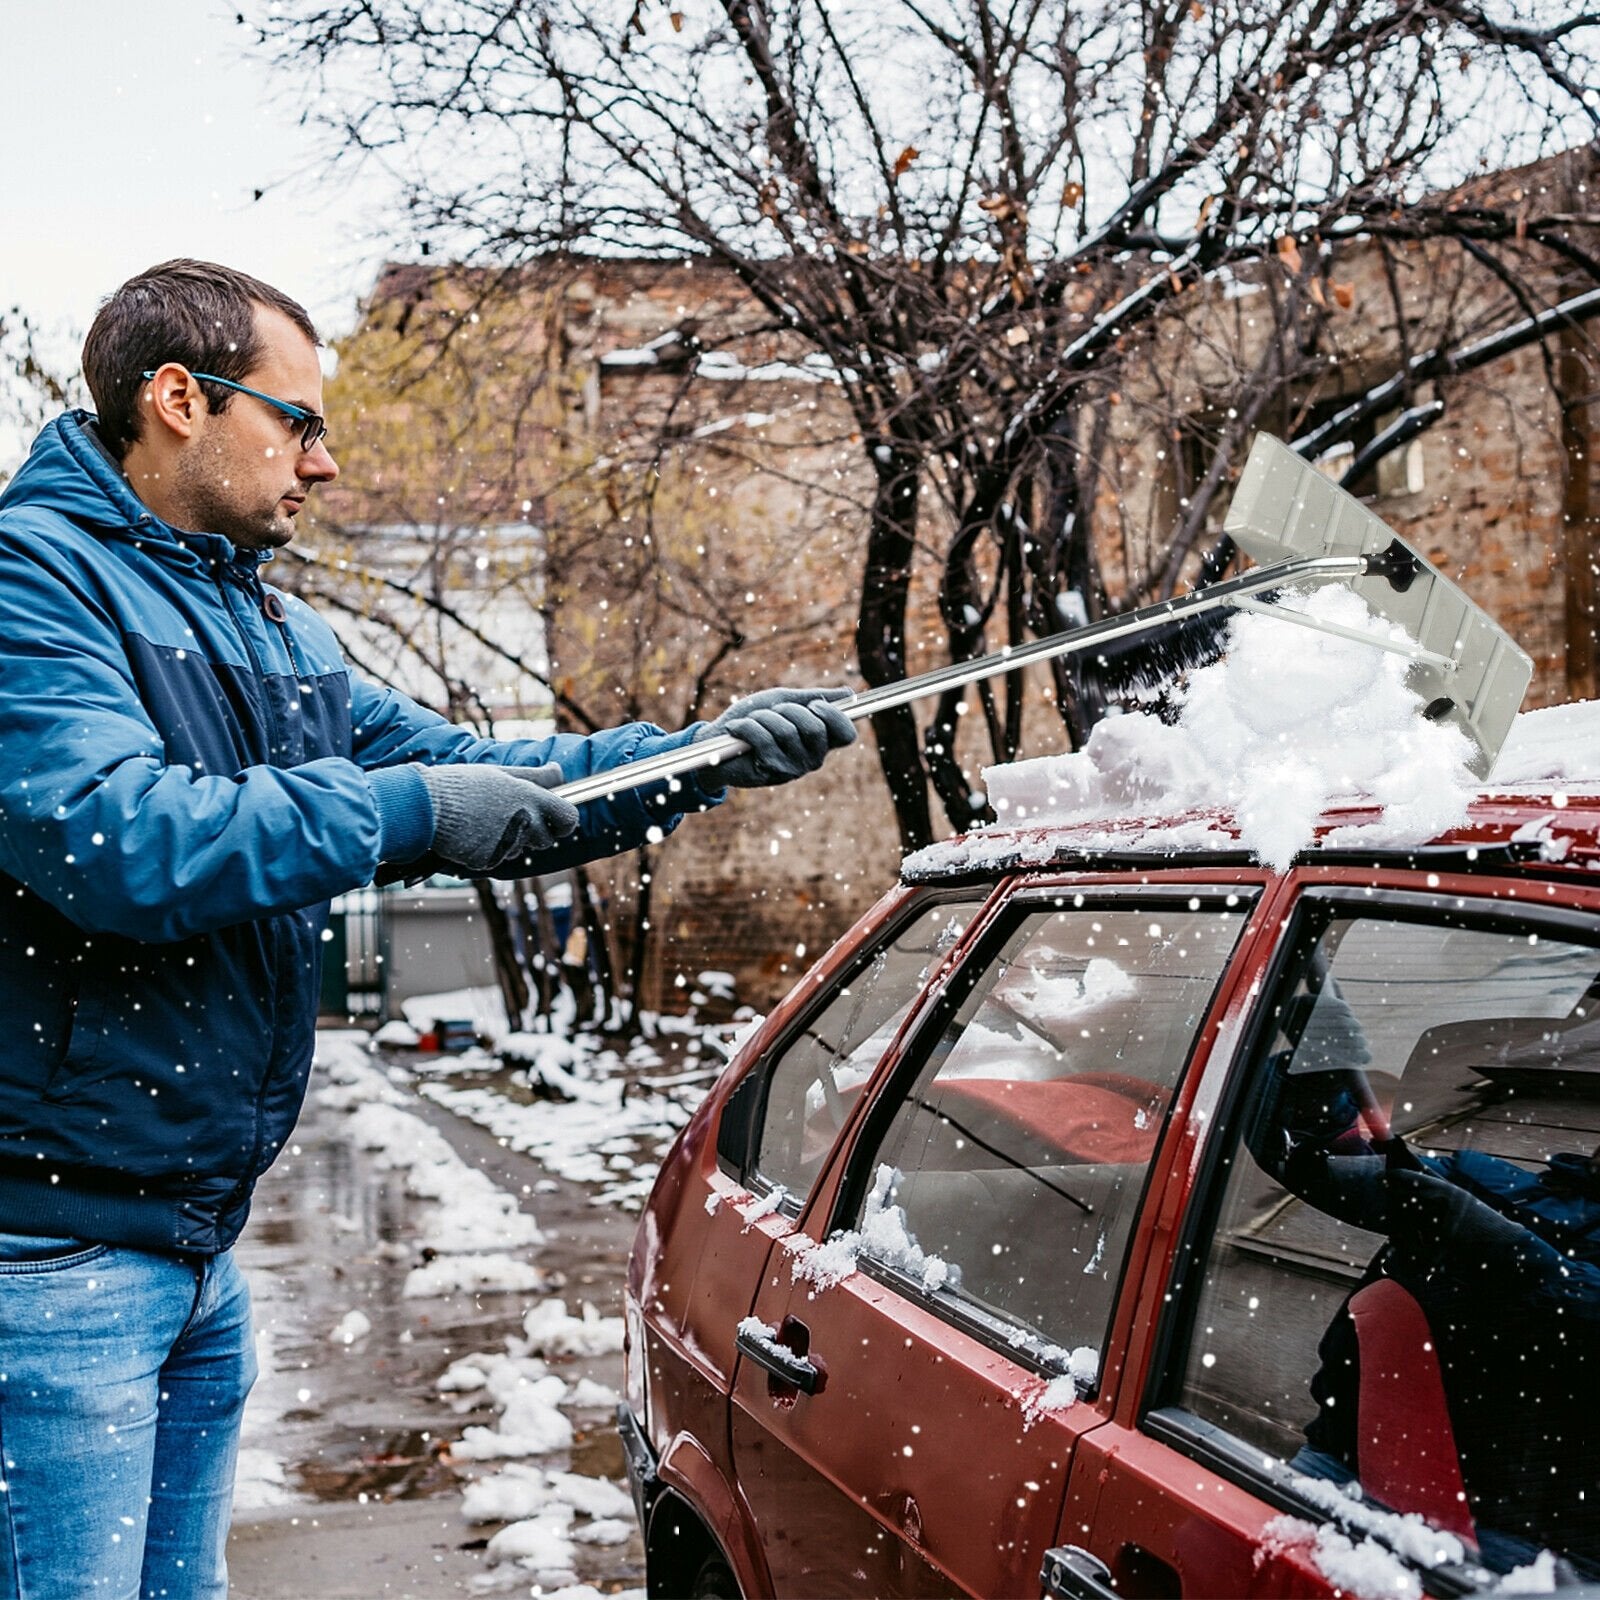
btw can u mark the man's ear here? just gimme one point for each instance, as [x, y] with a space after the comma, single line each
[172, 400]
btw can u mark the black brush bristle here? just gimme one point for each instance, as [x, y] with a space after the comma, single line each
[1149, 663]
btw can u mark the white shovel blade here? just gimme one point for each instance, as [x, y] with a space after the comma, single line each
[1284, 508]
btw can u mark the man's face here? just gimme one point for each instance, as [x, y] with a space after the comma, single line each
[243, 473]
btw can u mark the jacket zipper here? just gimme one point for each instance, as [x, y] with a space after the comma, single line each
[278, 745]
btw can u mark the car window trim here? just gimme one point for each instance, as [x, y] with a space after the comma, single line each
[1161, 1414]
[758, 1081]
[960, 981]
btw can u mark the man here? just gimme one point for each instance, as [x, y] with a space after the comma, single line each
[188, 773]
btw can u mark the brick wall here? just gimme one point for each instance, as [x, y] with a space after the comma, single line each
[774, 485]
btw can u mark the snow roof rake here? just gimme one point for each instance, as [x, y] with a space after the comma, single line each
[1302, 530]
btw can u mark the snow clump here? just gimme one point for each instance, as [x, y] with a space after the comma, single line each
[1288, 724]
[1083, 1372]
[1365, 1571]
[353, 1325]
[1537, 1577]
[551, 1331]
[884, 1235]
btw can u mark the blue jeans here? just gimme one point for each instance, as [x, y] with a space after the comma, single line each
[123, 1377]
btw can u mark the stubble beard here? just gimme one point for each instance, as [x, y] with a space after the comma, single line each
[210, 503]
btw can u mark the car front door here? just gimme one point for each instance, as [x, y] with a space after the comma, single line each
[926, 1351]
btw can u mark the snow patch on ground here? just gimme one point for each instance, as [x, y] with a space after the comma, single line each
[566, 1136]
[486, 1274]
[550, 1331]
[470, 1211]
[1288, 724]
[530, 1421]
[353, 1325]
[259, 1480]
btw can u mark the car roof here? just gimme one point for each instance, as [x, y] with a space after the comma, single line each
[1539, 825]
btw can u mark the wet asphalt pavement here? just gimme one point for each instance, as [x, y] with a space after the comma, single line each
[347, 1489]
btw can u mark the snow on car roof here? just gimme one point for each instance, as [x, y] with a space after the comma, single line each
[1291, 741]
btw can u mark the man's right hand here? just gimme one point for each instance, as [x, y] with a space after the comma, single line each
[486, 817]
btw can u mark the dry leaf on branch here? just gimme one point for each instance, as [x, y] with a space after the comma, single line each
[1072, 194]
[902, 162]
[1344, 295]
[1289, 253]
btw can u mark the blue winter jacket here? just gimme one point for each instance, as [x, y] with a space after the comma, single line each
[183, 787]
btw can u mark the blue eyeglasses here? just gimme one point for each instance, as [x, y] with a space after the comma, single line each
[313, 429]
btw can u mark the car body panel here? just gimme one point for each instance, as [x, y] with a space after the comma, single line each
[965, 1485]
[916, 1469]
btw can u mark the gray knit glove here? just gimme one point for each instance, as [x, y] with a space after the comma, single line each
[485, 817]
[789, 732]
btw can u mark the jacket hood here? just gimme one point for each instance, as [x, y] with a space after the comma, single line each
[70, 472]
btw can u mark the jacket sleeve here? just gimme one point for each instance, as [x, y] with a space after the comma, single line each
[97, 822]
[389, 728]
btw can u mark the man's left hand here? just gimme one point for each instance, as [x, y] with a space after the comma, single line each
[789, 732]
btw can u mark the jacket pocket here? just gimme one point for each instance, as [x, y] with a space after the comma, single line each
[84, 1038]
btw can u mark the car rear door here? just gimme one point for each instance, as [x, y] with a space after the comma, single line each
[927, 1350]
[1310, 1416]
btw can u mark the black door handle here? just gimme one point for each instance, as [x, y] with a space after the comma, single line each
[758, 1342]
[1071, 1573]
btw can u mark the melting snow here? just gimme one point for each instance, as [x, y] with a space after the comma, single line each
[551, 1332]
[1365, 1571]
[1056, 1394]
[1538, 1577]
[486, 1274]
[353, 1325]
[1412, 1535]
[471, 1212]
[883, 1235]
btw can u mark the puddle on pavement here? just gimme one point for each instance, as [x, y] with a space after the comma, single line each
[404, 1467]
[597, 1453]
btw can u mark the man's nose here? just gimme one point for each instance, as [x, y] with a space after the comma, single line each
[317, 465]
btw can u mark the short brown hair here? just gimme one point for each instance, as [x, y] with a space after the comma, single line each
[195, 312]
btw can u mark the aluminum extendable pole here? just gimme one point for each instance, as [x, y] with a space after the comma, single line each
[712, 752]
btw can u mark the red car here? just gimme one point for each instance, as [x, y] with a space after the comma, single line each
[1146, 1225]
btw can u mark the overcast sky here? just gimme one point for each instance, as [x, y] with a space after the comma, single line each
[133, 132]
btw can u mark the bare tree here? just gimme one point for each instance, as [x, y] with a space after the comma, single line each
[987, 221]
[32, 385]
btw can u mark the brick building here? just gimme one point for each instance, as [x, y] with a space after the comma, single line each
[691, 518]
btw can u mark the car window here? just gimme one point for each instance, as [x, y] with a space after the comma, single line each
[1009, 1176]
[818, 1074]
[1404, 1280]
